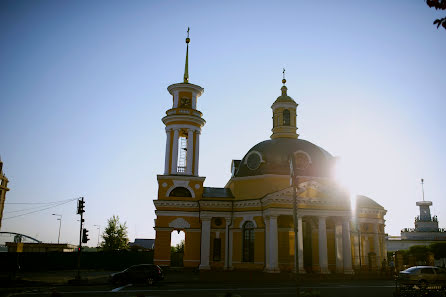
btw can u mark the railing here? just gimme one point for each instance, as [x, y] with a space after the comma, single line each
[181, 169]
[413, 230]
[184, 111]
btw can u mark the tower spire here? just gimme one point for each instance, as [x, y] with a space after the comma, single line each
[422, 187]
[186, 67]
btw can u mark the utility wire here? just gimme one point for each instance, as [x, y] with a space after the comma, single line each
[52, 206]
[42, 202]
[39, 206]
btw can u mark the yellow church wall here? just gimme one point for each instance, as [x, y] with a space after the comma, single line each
[167, 181]
[286, 259]
[191, 257]
[164, 221]
[315, 250]
[331, 250]
[222, 236]
[236, 246]
[185, 95]
[162, 248]
[254, 188]
[259, 246]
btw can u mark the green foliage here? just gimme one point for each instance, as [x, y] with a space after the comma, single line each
[439, 249]
[419, 252]
[115, 235]
[179, 248]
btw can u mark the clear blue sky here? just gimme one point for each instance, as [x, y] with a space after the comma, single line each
[83, 90]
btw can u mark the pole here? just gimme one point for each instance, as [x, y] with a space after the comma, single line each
[60, 224]
[296, 256]
[359, 247]
[99, 232]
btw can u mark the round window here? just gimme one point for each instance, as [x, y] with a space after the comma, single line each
[253, 161]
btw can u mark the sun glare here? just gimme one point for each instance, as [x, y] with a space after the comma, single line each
[347, 180]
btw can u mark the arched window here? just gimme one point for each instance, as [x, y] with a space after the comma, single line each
[286, 117]
[248, 242]
[180, 192]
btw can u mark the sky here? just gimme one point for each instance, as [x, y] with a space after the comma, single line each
[83, 90]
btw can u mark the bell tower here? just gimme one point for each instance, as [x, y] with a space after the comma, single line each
[284, 114]
[183, 126]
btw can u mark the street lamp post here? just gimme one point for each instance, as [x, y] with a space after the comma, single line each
[60, 224]
[99, 232]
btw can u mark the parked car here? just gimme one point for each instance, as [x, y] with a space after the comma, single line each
[423, 276]
[143, 273]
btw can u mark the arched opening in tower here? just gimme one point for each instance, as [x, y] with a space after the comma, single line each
[177, 244]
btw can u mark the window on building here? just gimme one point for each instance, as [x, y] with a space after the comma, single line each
[180, 192]
[248, 242]
[216, 254]
[286, 117]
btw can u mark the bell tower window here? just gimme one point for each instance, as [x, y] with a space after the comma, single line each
[182, 154]
[286, 117]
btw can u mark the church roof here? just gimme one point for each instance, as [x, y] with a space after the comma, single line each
[209, 192]
[363, 201]
[275, 154]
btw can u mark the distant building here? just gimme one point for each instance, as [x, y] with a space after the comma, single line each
[426, 231]
[144, 243]
[3, 189]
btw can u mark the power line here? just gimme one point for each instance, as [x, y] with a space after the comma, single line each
[39, 206]
[42, 202]
[31, 212]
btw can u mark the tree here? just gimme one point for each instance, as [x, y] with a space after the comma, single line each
[115, 235]
[179, 248]
[438, 4]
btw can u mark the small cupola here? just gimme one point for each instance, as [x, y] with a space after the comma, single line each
[284, 114]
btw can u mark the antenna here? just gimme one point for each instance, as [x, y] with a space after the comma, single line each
[422, 187]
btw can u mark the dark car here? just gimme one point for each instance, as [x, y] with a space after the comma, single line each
[422, 276]
[143, 273]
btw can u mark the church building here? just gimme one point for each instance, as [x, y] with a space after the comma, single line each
[249, 223]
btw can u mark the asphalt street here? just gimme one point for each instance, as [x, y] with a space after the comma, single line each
[374, 288]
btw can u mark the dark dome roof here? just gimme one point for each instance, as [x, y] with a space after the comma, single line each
[275, 155]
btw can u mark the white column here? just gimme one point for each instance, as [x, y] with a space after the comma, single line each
[376, 245]
[167, 158]
[173, 168]
[300, 245]
[339, 247]
[197, 149]
[194, 101]
[175, 99]
[365, 250]
[274, 259]
[190, 151]
[347, 247]
[205, 243]
[356, 247]
[267, 245]
[323, 261]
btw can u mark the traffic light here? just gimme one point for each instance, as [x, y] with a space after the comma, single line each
[85, 236]
[80, 206]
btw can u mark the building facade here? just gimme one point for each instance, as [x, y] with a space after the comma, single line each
[249, 224]
[426, 231]
[3, 189]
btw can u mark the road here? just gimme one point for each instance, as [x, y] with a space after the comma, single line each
[352, 288]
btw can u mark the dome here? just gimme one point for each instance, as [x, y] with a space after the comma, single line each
[271, 157]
